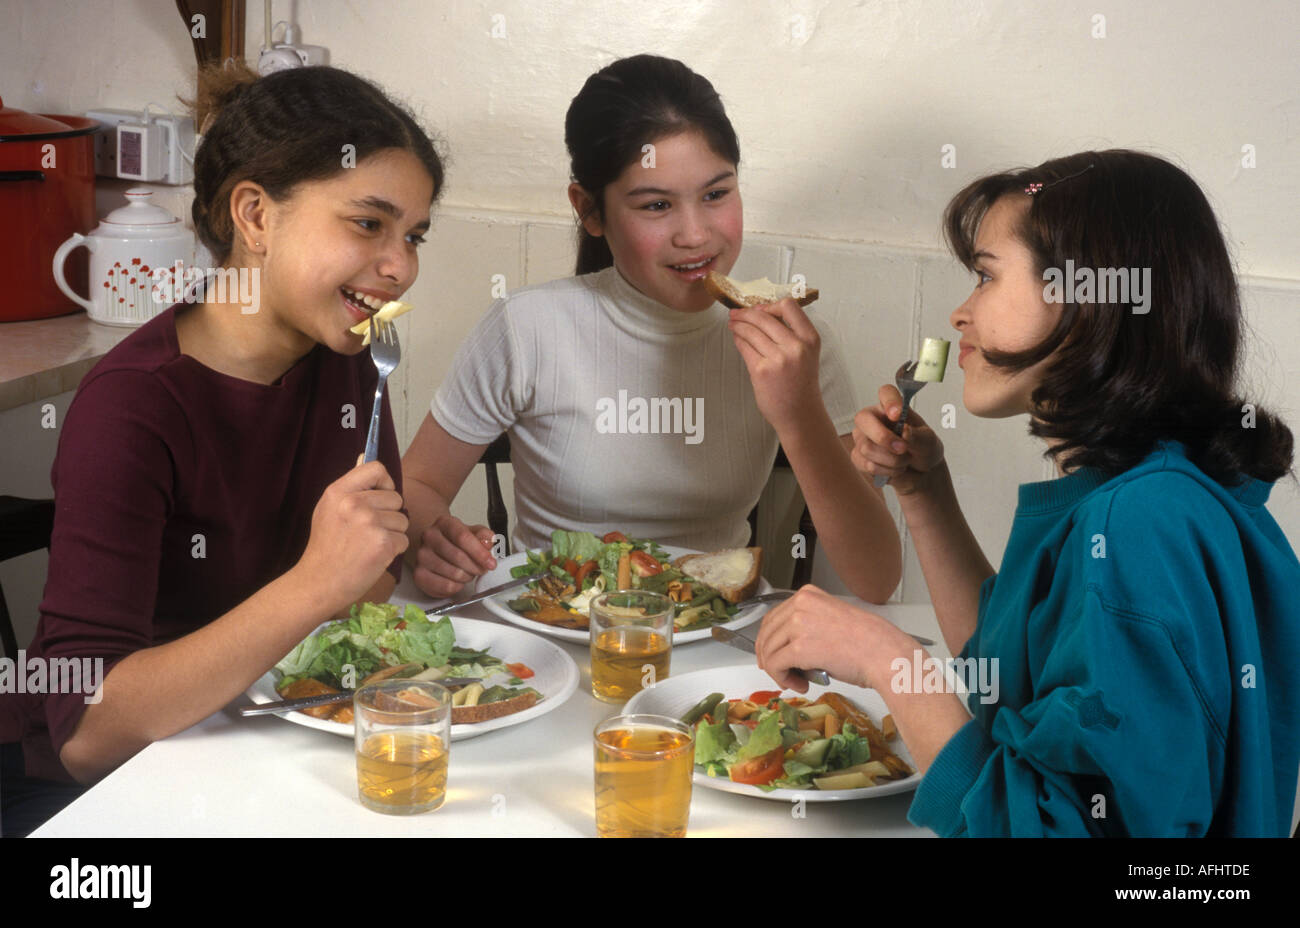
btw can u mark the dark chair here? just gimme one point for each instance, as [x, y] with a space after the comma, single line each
[498, 519]
[499, 453]
[25, 526]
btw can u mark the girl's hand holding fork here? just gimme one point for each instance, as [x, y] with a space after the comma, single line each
[908, 460]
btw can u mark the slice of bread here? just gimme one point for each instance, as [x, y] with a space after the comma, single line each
[734, 572]
[468, 715]
[735, 294]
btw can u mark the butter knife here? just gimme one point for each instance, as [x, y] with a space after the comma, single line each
[447, 604]
[325, 699]
[740, 642]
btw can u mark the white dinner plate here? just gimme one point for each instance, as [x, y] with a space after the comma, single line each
[555, 676]
[675, 696]
[499, 604]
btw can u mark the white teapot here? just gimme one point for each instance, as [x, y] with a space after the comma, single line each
[131, 250]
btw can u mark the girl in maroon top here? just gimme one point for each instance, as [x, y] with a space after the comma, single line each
[209, 509]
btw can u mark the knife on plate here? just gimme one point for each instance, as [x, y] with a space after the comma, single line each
[447, 604]
[740, 642]
[325, 699]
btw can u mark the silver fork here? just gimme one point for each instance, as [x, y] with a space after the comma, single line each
[909, 388]
[385, 352]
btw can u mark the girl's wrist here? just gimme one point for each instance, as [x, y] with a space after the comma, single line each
[807, 423]
[891, 644]
[297, 592]
[926, 487]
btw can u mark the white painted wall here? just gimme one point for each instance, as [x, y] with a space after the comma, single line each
[842, 110]
[841, 107]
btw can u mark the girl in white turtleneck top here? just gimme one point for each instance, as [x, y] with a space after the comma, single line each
[633, 401]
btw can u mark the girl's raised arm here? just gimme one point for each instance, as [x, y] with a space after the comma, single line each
[781, 349]
[357, 530]
[953, 563]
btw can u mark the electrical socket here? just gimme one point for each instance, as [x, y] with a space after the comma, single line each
[173, 134]
[106, 138]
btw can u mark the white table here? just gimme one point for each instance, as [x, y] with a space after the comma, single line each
[264, 776]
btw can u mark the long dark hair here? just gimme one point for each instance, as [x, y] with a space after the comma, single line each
[1117, 382]
[630, 103]
[288, 127]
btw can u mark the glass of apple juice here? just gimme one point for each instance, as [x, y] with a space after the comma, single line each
[403, 732]
[644, 766]
[631, 642]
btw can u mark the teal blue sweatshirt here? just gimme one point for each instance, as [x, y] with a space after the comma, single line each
[1147, 631]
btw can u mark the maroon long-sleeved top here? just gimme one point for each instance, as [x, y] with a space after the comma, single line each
[180, 492]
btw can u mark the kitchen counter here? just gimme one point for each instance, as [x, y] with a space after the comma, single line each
[46, 357]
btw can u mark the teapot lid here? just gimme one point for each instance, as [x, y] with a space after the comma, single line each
[139, 211]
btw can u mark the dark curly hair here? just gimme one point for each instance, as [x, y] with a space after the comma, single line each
[285, 128]
[627, 104]
[1116, 382]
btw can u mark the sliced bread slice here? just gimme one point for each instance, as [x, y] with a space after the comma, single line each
[468, 715]
[735, 294]
[735, 572]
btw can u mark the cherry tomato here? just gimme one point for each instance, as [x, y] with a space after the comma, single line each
[759, 770]
[612, 537]
[645, 565]
[570, 567]
[581, 575]
[522, 671]
[763, 697]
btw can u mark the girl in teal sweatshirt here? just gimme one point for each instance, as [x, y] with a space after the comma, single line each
[1143, 631]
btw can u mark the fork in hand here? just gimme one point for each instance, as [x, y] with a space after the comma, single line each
[385, 352]
[909, 388]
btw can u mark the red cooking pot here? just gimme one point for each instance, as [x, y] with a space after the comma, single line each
[47, 192]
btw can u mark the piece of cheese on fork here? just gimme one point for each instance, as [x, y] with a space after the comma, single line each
[386, 313]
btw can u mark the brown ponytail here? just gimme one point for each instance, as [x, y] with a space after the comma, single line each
[219, 85]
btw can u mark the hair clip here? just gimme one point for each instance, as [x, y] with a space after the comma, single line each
[1038, 187]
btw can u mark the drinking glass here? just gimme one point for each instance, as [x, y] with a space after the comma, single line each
[631, 642]
[644, 766]
[403, 732]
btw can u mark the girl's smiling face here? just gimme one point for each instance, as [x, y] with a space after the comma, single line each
[1006, 312]
[669, 225]
[356, 231]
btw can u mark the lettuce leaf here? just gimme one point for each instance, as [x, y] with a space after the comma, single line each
[581, 546]
[374, 618]
[425, 642]
[714, 742]
[765, 739]
[848, 749]
[325, 654]
[608, 562]
[370, 639]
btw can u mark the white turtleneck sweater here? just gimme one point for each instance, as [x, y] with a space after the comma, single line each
[601, 390]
